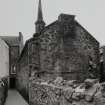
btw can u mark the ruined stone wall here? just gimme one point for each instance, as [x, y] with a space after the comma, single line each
[79, 46]
[89, 45]
[62, 49]
[66, 48]
[74, 62]
[50, 52]
[87, 93]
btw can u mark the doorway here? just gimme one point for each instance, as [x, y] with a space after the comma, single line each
[12, 82]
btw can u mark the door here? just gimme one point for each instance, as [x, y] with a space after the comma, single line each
[12, 82]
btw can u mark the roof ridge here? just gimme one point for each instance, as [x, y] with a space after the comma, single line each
[9, 36]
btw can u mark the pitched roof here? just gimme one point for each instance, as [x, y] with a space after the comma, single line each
[11, 40]
[4, 43]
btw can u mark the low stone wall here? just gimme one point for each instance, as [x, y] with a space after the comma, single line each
[3, 90]
[87, 93]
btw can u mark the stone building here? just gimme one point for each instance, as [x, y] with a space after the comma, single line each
[28, 60]
[15, 44]
[4, 59]
[63, 48]
[66, 48]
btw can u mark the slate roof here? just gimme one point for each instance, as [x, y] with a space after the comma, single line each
[4, 43]
[11, 40]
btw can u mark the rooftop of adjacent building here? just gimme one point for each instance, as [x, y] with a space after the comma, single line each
[13, 40]
[3, 43]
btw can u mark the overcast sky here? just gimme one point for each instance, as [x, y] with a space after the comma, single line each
[20, 15]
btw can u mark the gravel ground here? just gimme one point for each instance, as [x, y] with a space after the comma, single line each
[14, 98]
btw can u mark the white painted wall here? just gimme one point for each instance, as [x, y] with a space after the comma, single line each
[4, 59]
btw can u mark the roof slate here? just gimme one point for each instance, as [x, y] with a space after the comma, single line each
[11, 40]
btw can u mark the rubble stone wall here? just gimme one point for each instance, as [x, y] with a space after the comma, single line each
[22, 82]
[22, 75]
[90, 45]
[65, 49]
[61, 49]
[50, 94]
[27, 65]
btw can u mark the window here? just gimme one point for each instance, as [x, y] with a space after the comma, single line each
[13, 70]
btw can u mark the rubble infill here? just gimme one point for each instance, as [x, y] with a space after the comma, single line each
[91, 92]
